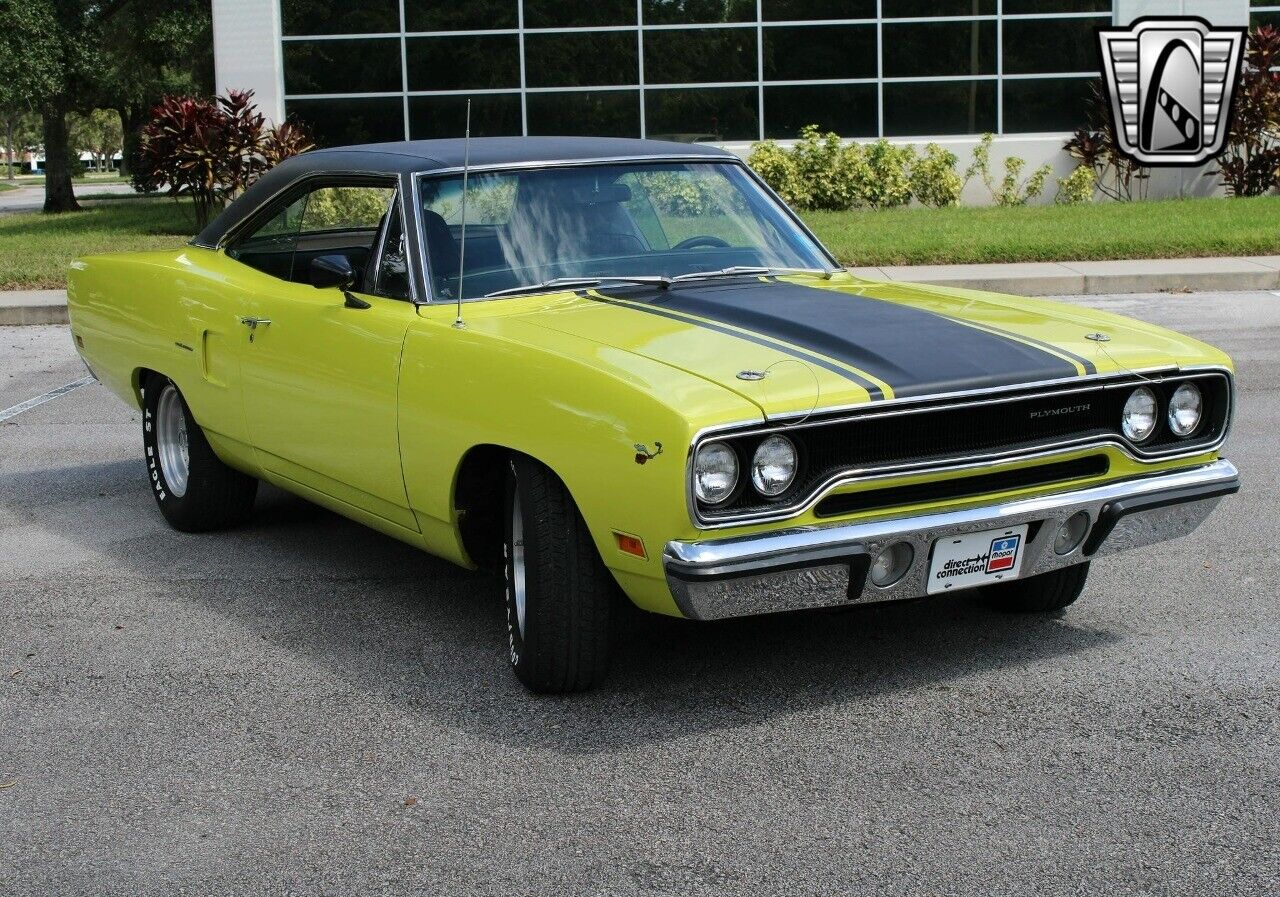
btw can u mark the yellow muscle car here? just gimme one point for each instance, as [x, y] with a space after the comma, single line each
[623, 366]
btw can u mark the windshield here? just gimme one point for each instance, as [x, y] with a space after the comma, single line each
[595, 222]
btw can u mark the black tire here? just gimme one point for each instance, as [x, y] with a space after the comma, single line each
[563, 643]
[1041, 594]
[215, 496]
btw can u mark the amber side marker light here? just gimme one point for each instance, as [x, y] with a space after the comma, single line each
[628, 544]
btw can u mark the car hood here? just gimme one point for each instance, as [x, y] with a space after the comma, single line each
[795, 344]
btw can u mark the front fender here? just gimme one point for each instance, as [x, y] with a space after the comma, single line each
[578, 407]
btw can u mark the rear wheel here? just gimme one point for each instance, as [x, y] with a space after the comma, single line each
[558, 593]
[1038, 594]
[194, 489]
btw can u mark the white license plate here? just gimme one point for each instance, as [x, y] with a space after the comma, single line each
[975, 559]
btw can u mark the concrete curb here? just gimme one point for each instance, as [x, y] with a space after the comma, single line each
[1094, 278]
[33, 307]
[1020, 279]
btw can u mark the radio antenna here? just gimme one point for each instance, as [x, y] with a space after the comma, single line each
[462, 248]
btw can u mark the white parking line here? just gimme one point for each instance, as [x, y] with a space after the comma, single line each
[40, 400]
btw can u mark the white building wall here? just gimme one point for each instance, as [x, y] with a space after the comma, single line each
[247, 53]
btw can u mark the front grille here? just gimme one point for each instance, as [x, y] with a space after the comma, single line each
[963, 487]
[936, 432]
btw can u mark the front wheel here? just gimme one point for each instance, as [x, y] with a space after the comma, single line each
[1038, 594]
[558, 592]
[194, 489]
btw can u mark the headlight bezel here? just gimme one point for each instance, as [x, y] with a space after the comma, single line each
[1170, 417]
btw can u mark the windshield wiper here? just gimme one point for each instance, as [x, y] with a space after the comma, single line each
[749, 270]
[578, 283]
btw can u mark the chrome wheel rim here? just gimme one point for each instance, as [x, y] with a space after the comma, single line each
[518, 589]
[171, 441]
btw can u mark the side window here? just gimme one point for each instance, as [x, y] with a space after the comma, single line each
[270, 247]
[328, 220]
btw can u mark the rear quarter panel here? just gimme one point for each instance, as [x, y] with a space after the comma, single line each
[172, 312]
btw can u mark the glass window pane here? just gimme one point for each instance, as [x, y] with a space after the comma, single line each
[325, 17]
[492, 115]
[948, 107]
[940, 48]
[802, 10]
[1029, 7]
[1046, 104]
[270, 247]
[459, 63]
[473, 15]
[692, 12]
[578, 13]
[847, 109]
[393, 268]
[345, 208]
[706, 114]
[1259, 19]
[581, 60]
[820, 52]
[1050, 45]
[710, 54]
[915, 9]
[597, 113]
[345, 122]
[342, 66]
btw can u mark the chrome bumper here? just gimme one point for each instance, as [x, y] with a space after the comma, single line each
[826, 566]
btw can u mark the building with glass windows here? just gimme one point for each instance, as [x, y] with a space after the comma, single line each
[722, 71]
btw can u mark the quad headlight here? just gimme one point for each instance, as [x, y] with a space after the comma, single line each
[1185, 409]
[715, 473]
[1138, 420]
[773, 467]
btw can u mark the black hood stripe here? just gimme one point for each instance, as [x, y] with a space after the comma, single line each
[1086, 365]
[916, 352]
[872, 388]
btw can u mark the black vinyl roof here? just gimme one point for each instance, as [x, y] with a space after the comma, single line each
[411, 156]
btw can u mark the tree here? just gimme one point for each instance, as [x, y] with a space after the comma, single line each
[157, 50]
[99, 133]
[1250, 164]
[29, 69]
[21, 134]
[78, 55]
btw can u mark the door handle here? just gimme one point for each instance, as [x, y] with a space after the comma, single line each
[253, 324]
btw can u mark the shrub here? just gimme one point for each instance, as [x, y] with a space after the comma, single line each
[210, 150]
[778, 168]
[826, 167]
[1011, 191]
[1116, 175]
[879, 174]
[1250, 164]
[1076, 187]
[934, 180]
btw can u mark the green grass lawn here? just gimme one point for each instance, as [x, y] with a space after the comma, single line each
[8, 185]
[35, 249]
[1167, 229]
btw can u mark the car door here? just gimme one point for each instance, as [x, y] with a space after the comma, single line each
[320, 367]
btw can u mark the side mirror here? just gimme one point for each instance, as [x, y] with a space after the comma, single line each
[332, 271]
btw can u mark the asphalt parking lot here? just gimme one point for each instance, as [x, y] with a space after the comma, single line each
[305, 706]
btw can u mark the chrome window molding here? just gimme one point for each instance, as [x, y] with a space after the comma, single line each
[973, 398]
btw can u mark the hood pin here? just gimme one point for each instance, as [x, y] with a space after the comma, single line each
[1098, 337]
[752, 375]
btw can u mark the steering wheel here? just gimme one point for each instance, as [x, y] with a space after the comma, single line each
[705, 240]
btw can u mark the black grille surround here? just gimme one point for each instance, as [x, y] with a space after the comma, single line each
[917, 435]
